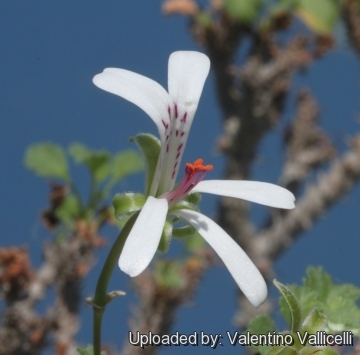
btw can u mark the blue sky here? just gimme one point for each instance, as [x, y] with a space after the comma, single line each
[49, 53]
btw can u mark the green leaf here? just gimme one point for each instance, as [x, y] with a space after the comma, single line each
[282, 350]
[312, 350]
[293, 316]
[327, 351]
[79, 152]
[194, 242]
[127, 203]
[150, 148]
[47, 160]
[126, 163]
[314, 322]
[286, 4]
[69, 210]
[243, 10]
[317, 279]
[168, 274]
[98, 164]
[261, 324]
[320, 15]
[204, 19]
[96, 161]
[336, 302]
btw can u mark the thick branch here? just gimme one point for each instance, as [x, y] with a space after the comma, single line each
[23, 331]
[343, 174]
[159, 304]
[351, 16]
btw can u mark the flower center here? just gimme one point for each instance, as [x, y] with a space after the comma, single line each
[194, 173]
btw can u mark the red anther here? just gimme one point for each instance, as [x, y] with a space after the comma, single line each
[190, 169]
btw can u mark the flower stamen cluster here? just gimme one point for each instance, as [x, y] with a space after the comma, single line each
[194, 173]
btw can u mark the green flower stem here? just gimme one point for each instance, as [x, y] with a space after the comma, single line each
[101, 298]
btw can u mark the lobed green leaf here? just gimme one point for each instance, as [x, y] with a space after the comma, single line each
[337, 302]
[320, 15]
[261, 324]
[314, 322]
[47, 160]
[243, 10]
[96, 161]
[126, 163]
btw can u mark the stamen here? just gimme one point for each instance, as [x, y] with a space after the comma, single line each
[197, 167]
[194, 173]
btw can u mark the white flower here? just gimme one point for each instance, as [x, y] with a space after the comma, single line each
[173, 113]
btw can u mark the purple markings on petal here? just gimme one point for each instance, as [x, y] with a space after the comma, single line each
[177, 132]
[179, 147]
[167, 137]
[169, 112]
[184, 117]
[182, 133]
[173, 174]
[167, 148]
[166, 125]
[176, 111]
[177, 155]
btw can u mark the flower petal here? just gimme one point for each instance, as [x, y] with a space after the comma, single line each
[242, 269]
[143, 240]
[186, 77]
[254, 191]
[138, 89]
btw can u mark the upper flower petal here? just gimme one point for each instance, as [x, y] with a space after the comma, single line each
[143, 240]
[186, 77]
[254, 191]
[242, 269]
[138, 89]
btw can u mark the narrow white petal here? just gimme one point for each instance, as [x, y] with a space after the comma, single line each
[186, 77]
[138, 89]
[144, 238]
[242, 269]
[254, 191]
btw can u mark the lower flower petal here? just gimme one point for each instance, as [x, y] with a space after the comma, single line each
[143, 240]
[254, 191]
[242, 269]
